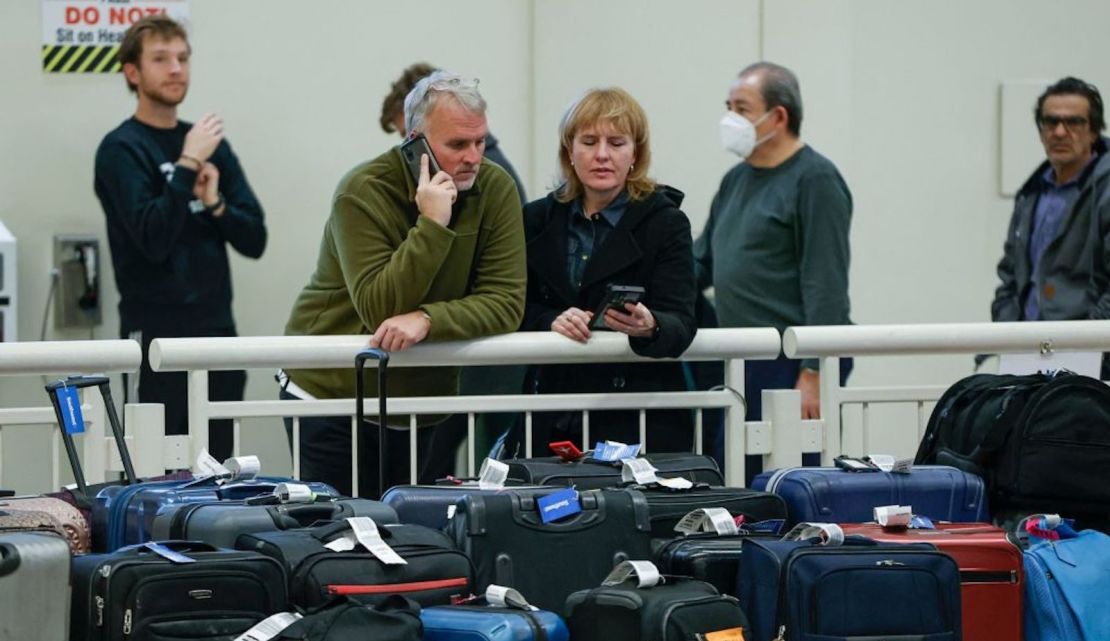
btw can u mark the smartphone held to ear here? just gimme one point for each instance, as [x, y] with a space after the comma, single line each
[615, 298]
[412, 150]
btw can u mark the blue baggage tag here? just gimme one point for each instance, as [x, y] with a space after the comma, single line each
[559, 504]
[168, 554]
[610, 451]
[69, 399]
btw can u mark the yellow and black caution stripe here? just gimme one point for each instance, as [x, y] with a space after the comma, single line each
[80, 59]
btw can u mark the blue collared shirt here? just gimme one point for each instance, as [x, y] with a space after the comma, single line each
[586, 235]
[1053, 204]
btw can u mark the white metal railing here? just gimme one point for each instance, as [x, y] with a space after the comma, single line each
[198, 356]
[62, 358]
[830, 343]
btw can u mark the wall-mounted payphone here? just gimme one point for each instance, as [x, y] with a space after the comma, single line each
[77, 265]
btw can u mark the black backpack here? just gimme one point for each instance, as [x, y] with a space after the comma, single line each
[1041, 442]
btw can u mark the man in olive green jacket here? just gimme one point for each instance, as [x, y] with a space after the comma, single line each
[436, 258]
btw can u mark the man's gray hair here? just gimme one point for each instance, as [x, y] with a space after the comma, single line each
[780, 89]
[427, 92]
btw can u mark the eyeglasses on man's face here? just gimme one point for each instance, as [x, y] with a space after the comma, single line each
[1072, 124]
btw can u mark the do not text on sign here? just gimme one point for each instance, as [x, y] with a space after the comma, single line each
[83, 36]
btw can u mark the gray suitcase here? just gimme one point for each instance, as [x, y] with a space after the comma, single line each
[220, 524]
[34, 587]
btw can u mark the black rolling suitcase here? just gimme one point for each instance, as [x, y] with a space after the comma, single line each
[668, 505]
[586, 473]
[173, 590]
[645, 606]
[221, 523]
[504, 534]
[433, 573]
[710, 557]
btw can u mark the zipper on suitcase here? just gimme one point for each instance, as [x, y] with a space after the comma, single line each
[396, 588]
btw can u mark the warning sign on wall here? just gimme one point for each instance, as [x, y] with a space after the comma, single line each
[83, 36]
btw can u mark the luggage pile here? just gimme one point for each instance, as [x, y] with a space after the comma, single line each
[607, 545]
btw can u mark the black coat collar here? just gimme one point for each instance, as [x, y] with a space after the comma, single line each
[547, 250]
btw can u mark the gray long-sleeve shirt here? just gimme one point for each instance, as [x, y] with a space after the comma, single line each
[775, 247]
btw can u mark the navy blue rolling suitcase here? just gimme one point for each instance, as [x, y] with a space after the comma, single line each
[124, 514]
[807, 591]
[833, 495]
[489, 623]
[433, 505]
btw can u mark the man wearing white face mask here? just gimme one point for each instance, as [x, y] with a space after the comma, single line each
[775, 247]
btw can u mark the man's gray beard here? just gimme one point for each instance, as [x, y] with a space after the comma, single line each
[467, 185]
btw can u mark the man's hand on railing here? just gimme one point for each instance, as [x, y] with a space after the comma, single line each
[809, 384]
[402, 331]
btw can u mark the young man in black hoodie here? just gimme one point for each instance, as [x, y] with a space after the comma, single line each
[174, 196]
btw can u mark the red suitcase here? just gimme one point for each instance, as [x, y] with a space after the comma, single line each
[991, 576]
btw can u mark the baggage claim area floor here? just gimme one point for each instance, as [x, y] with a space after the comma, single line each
[993, 529]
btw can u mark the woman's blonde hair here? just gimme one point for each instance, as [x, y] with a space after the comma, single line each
[615, 107]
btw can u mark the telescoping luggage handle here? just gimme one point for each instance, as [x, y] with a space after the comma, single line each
[382, 357]
[53, 390]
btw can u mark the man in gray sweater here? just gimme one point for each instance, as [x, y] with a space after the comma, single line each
[775, 247]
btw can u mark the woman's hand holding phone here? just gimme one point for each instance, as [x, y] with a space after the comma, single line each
[637, 320]
[435, 194]
[574, 324]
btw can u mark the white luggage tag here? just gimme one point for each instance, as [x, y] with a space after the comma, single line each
[889, 463]
[503, 597]
[830, 534]
[638, 470]
[677, 483]
[206, 466]
[493, 475]
[243, 468]
[894, 516]
[708, 519]
[270, 627]
[647, 575]
[294, 493]
[365, 533]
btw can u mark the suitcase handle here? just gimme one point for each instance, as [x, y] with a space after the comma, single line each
[232, 492]
[105, 387]
[9, 559]
[382, 357]
[323, 531]
[304, 515]
[176, 545]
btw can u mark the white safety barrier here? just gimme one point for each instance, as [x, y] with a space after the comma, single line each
[198, 356]
[830, 343]
[63, 358]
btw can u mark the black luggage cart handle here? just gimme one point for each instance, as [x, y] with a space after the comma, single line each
[80, 382]
[382, 357]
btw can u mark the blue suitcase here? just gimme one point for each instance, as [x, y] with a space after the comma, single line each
[805, 591]
[833, 495]
[486, 623]
[433, 505]
[124, 514]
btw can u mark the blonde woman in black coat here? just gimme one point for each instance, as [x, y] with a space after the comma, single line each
[609, 223]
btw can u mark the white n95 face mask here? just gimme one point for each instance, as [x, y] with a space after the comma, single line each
[738, 133]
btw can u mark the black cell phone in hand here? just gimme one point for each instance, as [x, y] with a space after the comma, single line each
[615, 297]
[411, 150]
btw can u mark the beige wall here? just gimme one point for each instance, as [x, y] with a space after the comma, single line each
[903, 96]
